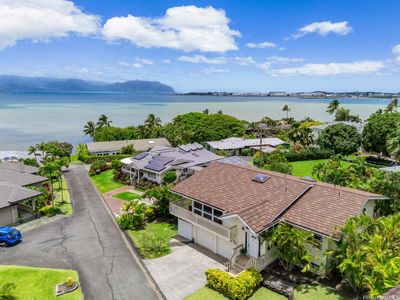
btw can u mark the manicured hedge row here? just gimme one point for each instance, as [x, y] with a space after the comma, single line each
[88, 159]
[238, 287]
[309, 154]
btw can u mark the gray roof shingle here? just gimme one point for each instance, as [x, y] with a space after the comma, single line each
[21, 179]
[11, 193]
[18, 167]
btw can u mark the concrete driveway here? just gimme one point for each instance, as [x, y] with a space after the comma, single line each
[89, 242]
[181, 273]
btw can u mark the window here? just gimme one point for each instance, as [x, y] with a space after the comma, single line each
[217, 213]
[207, 216]
[198, 205]
[217, 220]
[318, 238]
[207, 209]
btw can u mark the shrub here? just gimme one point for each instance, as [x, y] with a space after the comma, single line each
[149, 214]
[133, 216]
[7, 291]
[152, 244]
[97, 167]
[145, 184]
[237, 288]
[116, 164]
[311, 153]
[246, 152]
[49, 210]
[31, 162]
[170, 177]
[88, 159]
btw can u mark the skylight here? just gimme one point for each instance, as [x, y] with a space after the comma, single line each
[260, 178]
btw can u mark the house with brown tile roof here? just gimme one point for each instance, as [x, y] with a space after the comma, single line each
[227, 207]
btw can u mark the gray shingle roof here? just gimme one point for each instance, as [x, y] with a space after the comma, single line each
[21, 179]
[238, 143]
[11, 193]
[138, 145]
[18, 167]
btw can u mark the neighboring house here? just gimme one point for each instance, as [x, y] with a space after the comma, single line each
[227, 207]
[18, 167]
[392, 294]
[317, 129]
[10, 197]
[114, 147]
[184, 160]
[391, 169]
[235, 145]
[21, 178]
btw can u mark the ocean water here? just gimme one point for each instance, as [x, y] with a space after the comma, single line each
[29, 118]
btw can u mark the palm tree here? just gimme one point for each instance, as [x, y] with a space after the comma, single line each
[220, 112]
[393, 145]
[90, 129]
[286, 108]
[31, 150]
[103, 121]
[392, 106]
[206, 111]
[41, 147]
[51, 170]
[152, 122]
[333, 106]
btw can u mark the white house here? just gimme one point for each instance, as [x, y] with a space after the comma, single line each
[317, 129]
[226, 208]
[185, 160]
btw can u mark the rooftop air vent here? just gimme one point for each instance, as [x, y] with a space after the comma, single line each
[260, 178]
[308, 178]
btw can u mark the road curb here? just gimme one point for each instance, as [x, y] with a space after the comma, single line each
[132, 248]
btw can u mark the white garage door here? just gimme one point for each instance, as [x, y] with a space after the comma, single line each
[185, 229]
[224, 248]
[204, 238]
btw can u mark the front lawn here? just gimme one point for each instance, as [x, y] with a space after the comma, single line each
[210, 294]
[62, 200]
[105, 182]
[310, 292]
[127, 196]
[38, 283]
[163, 231]
[304, 168]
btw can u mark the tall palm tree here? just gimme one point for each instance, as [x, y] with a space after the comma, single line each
[393, 145]
[206, 111]
[90, 129]
[103, 121]
[152, 122]
[31, 150]
[41, 147]
[286, 108]
[392, 106]
[333, 106]
[51, 170]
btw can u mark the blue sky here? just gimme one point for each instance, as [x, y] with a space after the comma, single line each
[247, 46]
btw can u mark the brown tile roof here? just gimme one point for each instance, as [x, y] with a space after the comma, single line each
[231, 189]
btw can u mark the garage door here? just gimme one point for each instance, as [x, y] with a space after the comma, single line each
[225, 248]
[185, 229]
[204, 238]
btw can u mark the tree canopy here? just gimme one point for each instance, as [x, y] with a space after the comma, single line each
[341, 138]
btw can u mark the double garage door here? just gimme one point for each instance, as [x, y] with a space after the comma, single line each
[214, 243]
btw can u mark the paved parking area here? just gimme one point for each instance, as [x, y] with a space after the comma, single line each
[181, 273]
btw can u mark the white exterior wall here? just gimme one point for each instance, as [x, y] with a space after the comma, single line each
[369, 208]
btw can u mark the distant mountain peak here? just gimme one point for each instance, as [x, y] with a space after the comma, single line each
[55, 85]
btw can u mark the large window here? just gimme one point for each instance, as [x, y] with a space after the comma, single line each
[207, 212]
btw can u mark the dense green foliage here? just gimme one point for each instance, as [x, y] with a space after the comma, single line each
[277, 162]
[133, 216]
[341, 138]
[240, 287]
[368, 254]
[170, 176]
[378, 130]
[162, 196]
[311, 153]
[7, 291]
[343, 114]
[199, 127]
[292, 246]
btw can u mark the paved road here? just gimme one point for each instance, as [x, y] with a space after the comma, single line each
[88, 242]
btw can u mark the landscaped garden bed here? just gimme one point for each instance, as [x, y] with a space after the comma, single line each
[38, 283]
[153, 240]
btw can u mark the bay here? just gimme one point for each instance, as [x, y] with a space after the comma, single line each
[29, 118]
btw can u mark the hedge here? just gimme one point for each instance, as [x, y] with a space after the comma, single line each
[88, 159]
[238, 287]
[309, 154]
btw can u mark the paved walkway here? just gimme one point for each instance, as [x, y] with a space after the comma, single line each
[181, 273]
[113, 203]
[90, 242]
[38, 222]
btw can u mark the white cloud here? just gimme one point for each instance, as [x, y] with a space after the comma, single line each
[243, 61]
[166, 61]
[201, 59]
[42, 20]
[138, 63]
[396, 50]
[186, 28]
[282, 59]
[324, 28]
[262, 45]
[213, 70]
[330, 69]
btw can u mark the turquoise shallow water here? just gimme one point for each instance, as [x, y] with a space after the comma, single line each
[27, 119]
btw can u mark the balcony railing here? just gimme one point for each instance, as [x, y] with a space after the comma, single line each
[183, 213]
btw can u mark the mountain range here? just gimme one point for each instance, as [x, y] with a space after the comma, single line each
[52, 85]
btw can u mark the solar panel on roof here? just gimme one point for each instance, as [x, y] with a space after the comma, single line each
[141, 155]
[260, 178]
[162, 159]
[154, 167]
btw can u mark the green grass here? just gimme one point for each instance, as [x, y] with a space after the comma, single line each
[38, 283]
[127, 196]
[74, 159]
[310, 292]
[105, 182]
[304, 168]
[210, 294]
[65, 205]
[163, 230]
